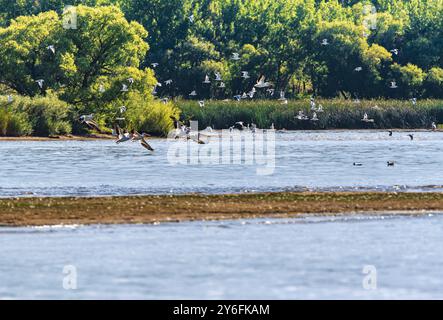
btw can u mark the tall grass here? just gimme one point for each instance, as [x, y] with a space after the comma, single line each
[338, 114]
[40, 116]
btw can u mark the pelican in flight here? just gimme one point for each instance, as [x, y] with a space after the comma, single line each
[122, 136]
[261, 83]
[142, 138]
[89, 121]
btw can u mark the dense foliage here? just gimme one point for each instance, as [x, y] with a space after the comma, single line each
[349, 49]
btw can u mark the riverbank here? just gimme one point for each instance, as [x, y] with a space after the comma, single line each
[165, 208]
[60, 138]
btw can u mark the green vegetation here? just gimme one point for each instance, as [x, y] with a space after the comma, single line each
[337, 114]
[326, 48]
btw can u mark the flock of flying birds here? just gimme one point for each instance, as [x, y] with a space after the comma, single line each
[181, 130]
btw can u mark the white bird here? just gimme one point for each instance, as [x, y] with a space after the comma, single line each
[201, 103]
[433, 126]
[101, 88]
[218, 76]
[124, 88]
[270, 91]
[314, 117]
[142, 138]
[245, 75]
[358, 69]
[207, 79]
[193, 93]
[302, 116]
[235, 56]
[394, 51]
[191, 18]
[244, 95]
[414, 101]
[324, 42]
[40, 83]
[10, 98]
[366, 118]
[122, 136]
[312, 103]
[131, 80]
[261, 83]
[393, 85]
[51, 48]
[238, 97]
[154, 65]
[320, 108]
[222, 85]
[123, 109]
[168, 82]
[282, 96]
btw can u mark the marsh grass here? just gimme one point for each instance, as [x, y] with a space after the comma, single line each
[338, 114]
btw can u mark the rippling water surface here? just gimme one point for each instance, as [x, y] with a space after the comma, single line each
[310, 258]
[320, 160]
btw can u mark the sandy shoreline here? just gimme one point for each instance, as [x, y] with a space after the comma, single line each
[166, 208]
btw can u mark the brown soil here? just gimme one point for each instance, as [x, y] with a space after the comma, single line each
[151, 209]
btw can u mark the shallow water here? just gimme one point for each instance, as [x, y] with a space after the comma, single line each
[317, 160]
[310, 258]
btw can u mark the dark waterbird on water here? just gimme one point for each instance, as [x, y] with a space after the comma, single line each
[411, 136]
[390, 163]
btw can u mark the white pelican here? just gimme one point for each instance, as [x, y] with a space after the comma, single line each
[218, 76]
[193, 93]
[122, 136]
[245, 75]
[393, 85]
[324, 42]
[433, 126]
[168, 82]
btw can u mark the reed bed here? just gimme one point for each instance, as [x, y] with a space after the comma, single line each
[337, 114]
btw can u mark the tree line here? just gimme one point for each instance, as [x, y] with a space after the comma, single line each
[352, 49]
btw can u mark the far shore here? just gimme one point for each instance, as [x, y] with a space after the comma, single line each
[97, 136]
[15, 212]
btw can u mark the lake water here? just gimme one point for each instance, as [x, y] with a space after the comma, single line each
[316, 160]
[307, 258]
[311, 258]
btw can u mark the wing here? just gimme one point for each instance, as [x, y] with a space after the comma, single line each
[146, 145]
